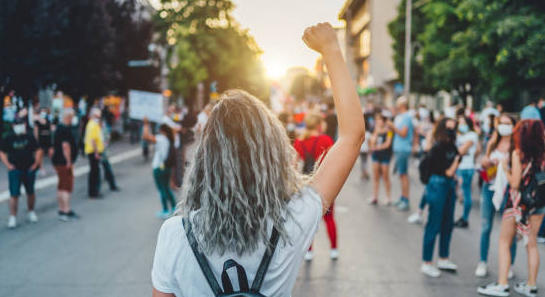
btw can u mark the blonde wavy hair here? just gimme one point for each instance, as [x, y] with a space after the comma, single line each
[242, 177]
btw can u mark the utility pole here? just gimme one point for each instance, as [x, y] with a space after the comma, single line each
[408, 48]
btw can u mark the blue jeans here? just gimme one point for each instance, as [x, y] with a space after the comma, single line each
[467, 181]
[441, 197]
[162, 179]
[488, 212]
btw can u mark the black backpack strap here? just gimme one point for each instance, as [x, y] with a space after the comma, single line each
[265, 262]
[201, 259]
[242, 278]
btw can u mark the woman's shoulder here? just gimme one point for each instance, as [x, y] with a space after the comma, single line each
[172, 227]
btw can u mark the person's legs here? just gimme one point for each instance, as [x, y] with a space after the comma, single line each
[14, 178]
[108, 172]
[447, 223]
[331, 226]
[487, 220]
[385, 170]
[467, 181]
[533, 253]
[28, 179]
[435, 198]
[169, 195]
[376, 180]
[94, 176]
[507, 233]
[160, 183]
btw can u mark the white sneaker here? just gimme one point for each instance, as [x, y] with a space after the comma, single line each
[482, 270]
[511, 274]
[334, 254]
[524, 289]
[32, 217]
[415, 218]
[430, 270]
[309, 256]
[541, 240]
[446, 265]
[12, 222]
[494, 289]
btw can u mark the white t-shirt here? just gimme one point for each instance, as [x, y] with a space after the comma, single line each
[162, 146]
[468, 160]
[176, 271]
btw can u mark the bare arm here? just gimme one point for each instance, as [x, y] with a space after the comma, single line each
[336, 166]
[161, 294]
[451, 171]
[514, 176]
[146, 133]
[6, 162]
[464, 149]
[67, 152]
[37, 159]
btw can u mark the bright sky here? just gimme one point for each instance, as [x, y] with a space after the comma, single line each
[278, 26]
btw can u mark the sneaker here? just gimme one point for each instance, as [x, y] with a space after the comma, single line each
[334, 254]
[372, 201]
[72, 215]
[403, 205]
[415, 218]
[12, 222]
[430, 270]
[163, 214]
[398, 202]
[511, 274]
[309, 256]
[525, 290]
[482, 270]
[494, 289]
[461, 223]
[447, 265]
[32, 217]
[541, 240]
[62, 216]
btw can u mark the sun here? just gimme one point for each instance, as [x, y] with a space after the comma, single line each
[275, 69]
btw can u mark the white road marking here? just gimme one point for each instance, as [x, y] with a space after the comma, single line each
[78, 171]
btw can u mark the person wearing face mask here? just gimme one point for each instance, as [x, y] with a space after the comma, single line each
[497, 151]
[466, 142]
[22, 156]
[94, 147]
[441, 197]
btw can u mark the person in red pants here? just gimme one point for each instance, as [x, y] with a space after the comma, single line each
[312, 147]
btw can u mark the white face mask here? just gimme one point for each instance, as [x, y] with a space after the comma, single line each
[505, 129]
[19, 129]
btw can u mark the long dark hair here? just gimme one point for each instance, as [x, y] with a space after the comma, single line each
[168, 132]
[440, 133]
[529, 138]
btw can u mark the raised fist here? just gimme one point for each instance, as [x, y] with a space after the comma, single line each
[321, 38]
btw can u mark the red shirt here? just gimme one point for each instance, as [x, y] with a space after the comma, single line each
[323, 144]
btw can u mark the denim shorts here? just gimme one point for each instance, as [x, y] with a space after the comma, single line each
[382, 160]
[402, 162]
[539, 211]
[17, 177]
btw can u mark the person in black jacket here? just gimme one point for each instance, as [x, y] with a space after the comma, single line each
[441, 197]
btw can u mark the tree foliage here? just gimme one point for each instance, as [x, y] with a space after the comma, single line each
[476, 47]
[82, 46]
[207, 45]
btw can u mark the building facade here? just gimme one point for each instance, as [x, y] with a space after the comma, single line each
[368, 44]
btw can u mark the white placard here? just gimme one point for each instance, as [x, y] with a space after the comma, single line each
[146, 104]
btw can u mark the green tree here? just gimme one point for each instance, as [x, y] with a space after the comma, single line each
[207, 45]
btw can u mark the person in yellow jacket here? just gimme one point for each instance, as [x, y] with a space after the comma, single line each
[94, 147]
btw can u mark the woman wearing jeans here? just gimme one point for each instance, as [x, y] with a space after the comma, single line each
[497, 151]
[441, 197]
[527, 159]
[467, 146]
[161, 167]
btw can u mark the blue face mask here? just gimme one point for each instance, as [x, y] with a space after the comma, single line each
[463, 129]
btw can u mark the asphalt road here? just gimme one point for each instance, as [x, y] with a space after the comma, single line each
[109, 251]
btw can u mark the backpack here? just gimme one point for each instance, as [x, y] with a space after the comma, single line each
[424, 168]
[245, 290]
[533, 192]
[171, 158]
[309, 161]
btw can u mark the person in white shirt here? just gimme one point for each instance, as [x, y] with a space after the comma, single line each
[245, 197]
[467, 143]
